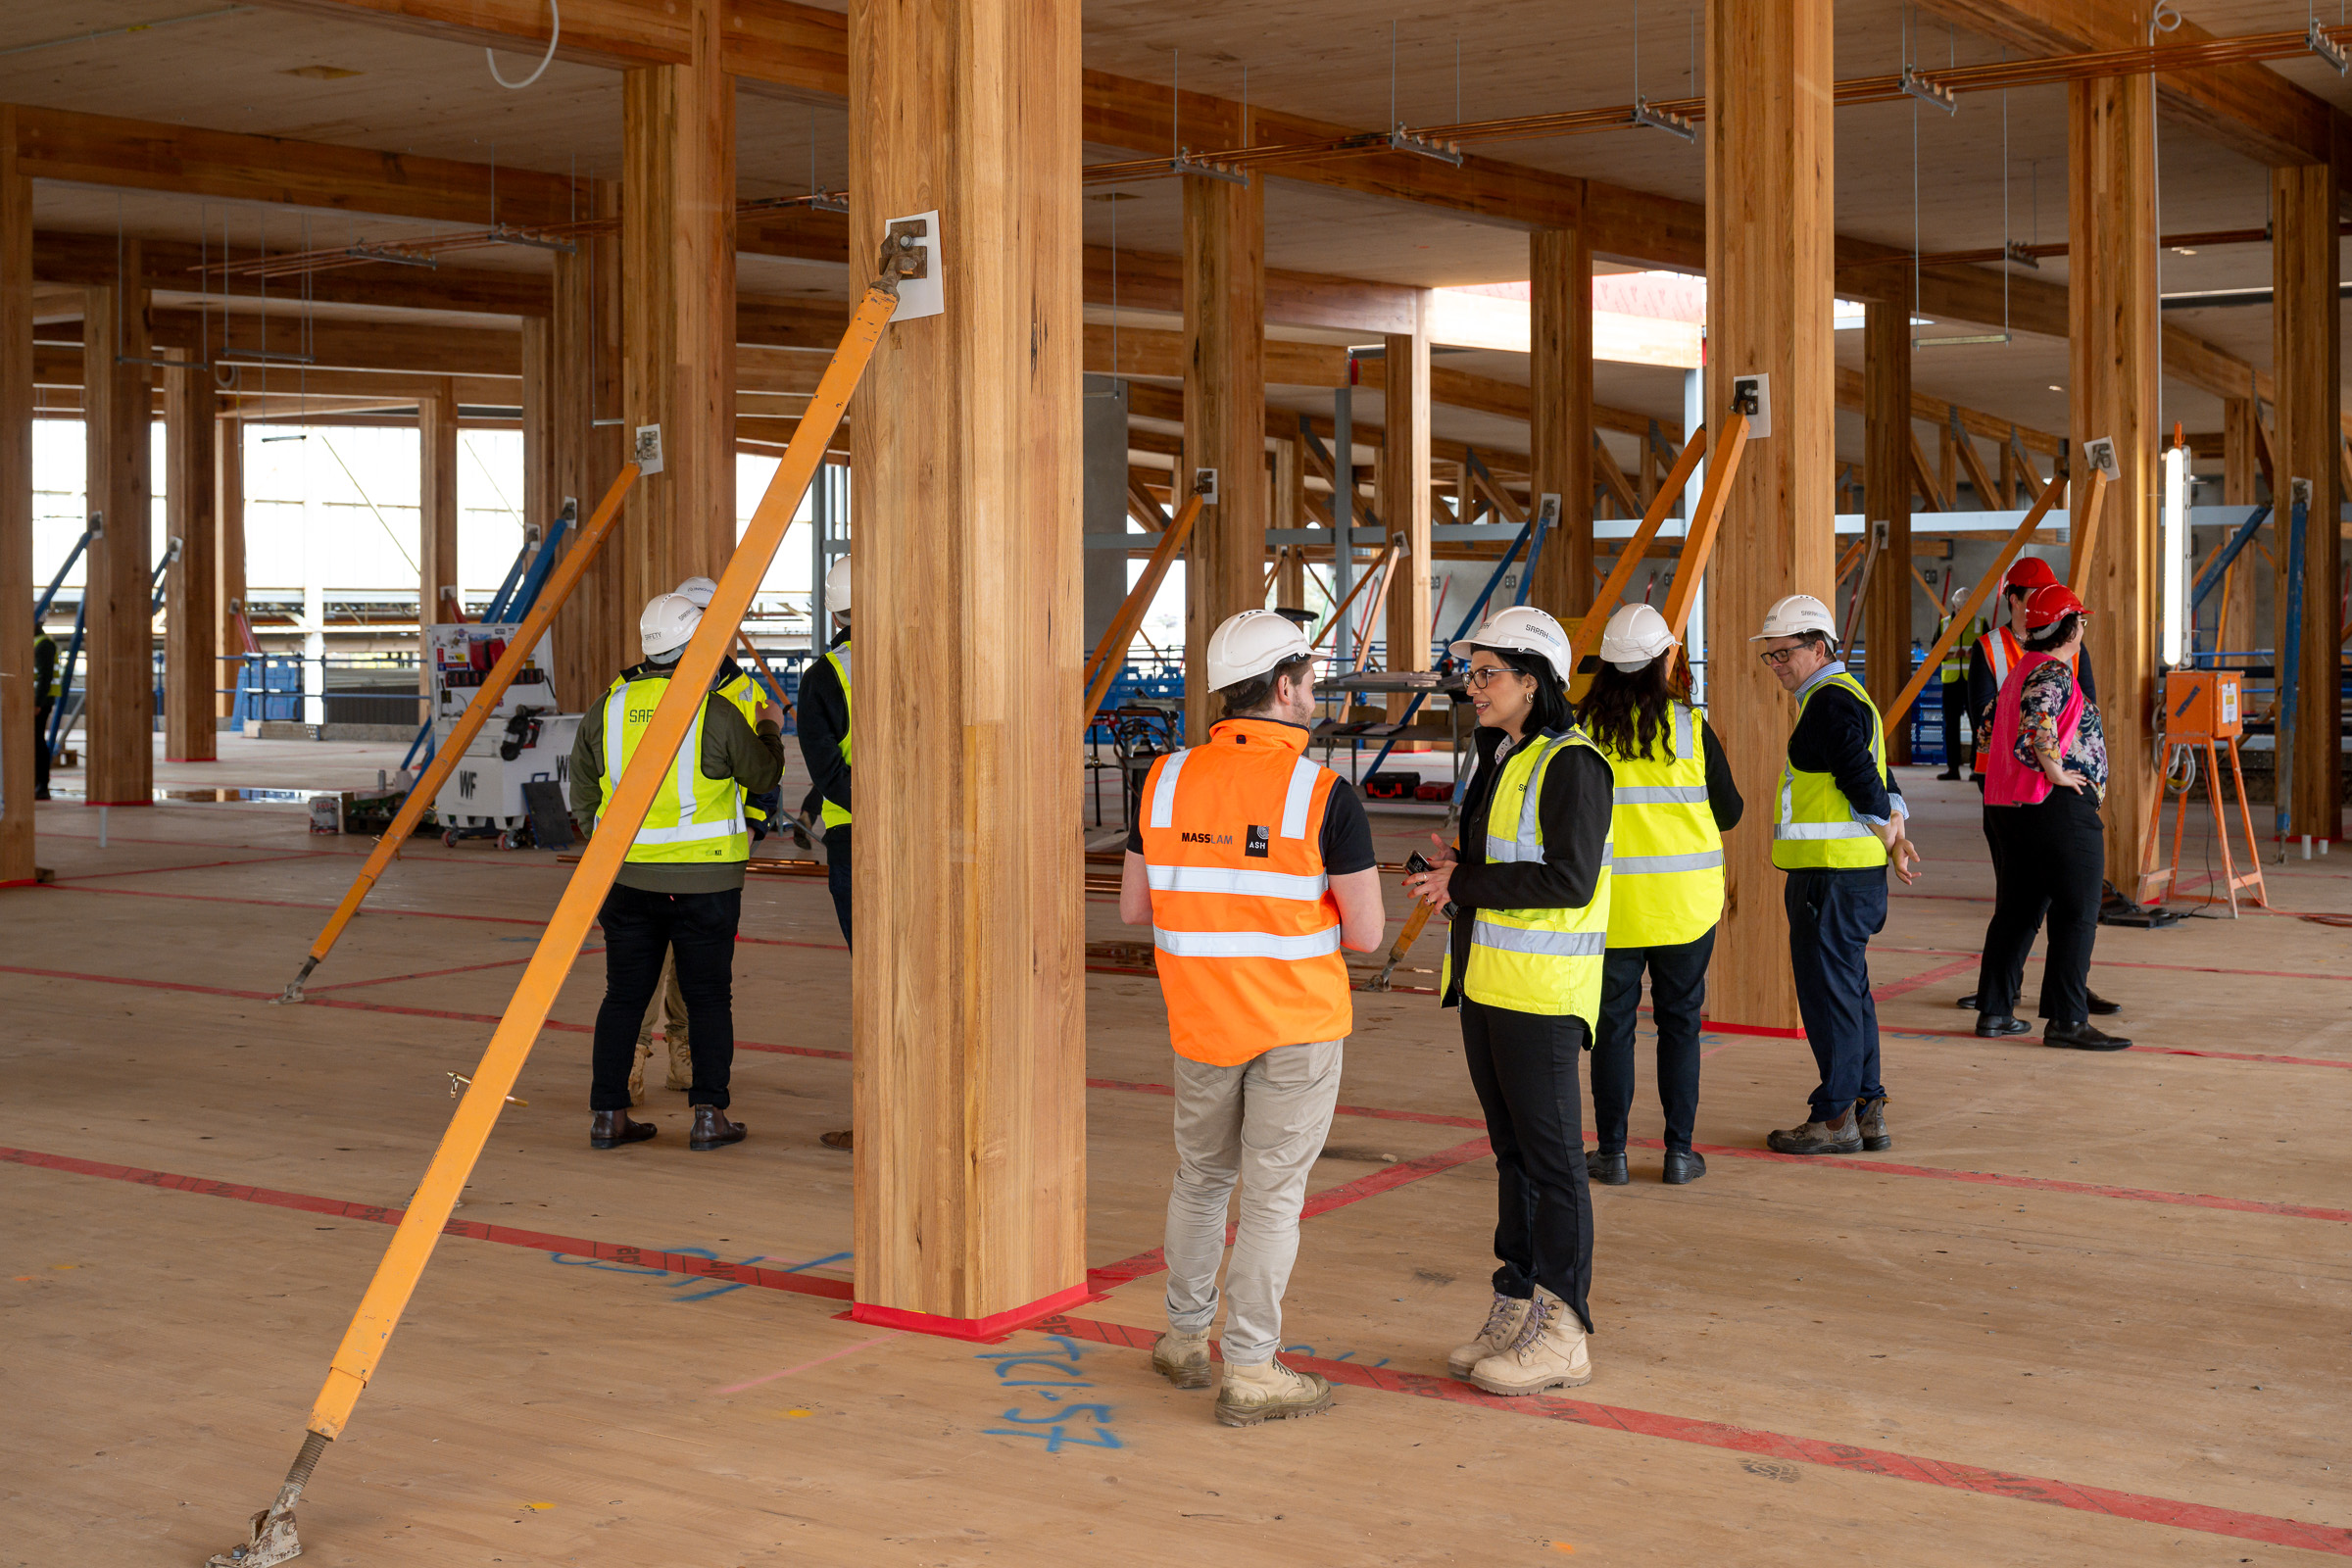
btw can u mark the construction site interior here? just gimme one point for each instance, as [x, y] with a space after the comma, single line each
[347, 374]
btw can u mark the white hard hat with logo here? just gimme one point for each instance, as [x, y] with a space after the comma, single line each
[667, 624]
[698, 589]
[1252, 643]
[1796, 616]
[1634, 636]
[837, 586]
[1523, 630]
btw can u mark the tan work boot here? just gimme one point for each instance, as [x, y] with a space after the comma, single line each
[1870, 1119]
[1549, 1353]
[681, 1061]
[644, 1052]
[1840, 1137]
[1182, 1358]
[1269, 1392]
[1502, 1327]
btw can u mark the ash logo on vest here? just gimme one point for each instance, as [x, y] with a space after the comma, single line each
[1206, 838]
[1261, 842]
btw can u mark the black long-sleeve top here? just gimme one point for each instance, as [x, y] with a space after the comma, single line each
[1983, 690]
[44, 665]
[1723, 791]
[825, 724]
[1834, 736]
[1573, 811]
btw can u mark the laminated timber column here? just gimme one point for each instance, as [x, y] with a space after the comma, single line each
[1404, 479]
[192, 669]
[1224, 419]
[1887, 497]
[2240, 469]
[118, 653]
[968, 991]
[1768, 258]
[436, 523]
[1560, 433]
[2113, 355]
[595, 631]
[1290, 511]
[678, 315]
[2305, 341]
[17, 588]
[228, 556]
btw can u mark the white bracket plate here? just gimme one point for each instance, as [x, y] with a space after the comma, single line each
[647, 455]
[924, 293]
[1759, 423]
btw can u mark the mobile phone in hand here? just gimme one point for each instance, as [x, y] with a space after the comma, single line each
[1417, 863]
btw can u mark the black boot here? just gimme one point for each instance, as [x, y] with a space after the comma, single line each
[1607, 1168]
[610, 1129]
[712, 1130]
[2083, 1036]
[1683, 1165]
[1993, 1025]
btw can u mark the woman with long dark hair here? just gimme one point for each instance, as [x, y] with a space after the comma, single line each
[1674, 797]
[1530, 879]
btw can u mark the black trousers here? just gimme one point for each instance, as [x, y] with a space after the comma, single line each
[837, 876]
[1678, 989]
[1523, 1065]
[40, 747]
[2052, 864]
[639, 927]
[1954, 694]
[1831, 917]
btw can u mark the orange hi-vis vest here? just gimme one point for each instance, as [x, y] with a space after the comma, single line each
[1247, 930]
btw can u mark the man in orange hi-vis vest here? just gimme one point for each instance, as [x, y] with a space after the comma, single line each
[1253, 867]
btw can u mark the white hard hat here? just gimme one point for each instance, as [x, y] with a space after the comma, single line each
[837, 586]
[698, 589]
[1796, 616]
[667, 623]
[1524, 629]
[1252, 643]
[1634, 636]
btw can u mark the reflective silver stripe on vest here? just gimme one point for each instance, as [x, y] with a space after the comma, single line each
[686, 764]
[1528, 848]
[1548, 943]
[1663, 865]
[1246, 944]
[1787, 828]
[1246, 884]
[1659, 795]
[1163, 794]
[1302, 796]
[843, 653]
[1681, 731]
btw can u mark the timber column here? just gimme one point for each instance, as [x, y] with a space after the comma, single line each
[1887, 497]
[595, 630]
[2240, 468]
[17, 587]
[1224, 419]
[1769, 278]
[118, 654]
[2113, 355]
[436, 524]
[677, 312]
[192, 669]
[1559, 434]
[967, 987]
[2305, 339]
[1404, 479]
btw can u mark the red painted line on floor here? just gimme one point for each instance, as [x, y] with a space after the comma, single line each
[2134, 1050]
[314, 992]
[2234, 1523]
[1897, 988]
[199, 865]
[473, 1230]
[2113, 964]
[294, 904]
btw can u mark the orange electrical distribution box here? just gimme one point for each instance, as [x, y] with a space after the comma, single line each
[2203, 705]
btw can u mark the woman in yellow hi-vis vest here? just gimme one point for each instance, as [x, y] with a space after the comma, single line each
[1674, 798]
[680, 890]
[1530, 879]
[1837, 826]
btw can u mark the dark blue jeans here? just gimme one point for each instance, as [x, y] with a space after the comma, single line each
[837, 876]
[639, 927]
[1831, 917]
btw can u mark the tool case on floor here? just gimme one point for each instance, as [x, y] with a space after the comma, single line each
[1389, 786]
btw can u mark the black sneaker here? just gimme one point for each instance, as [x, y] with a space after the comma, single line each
[1606, 1168]
[2083, 1036]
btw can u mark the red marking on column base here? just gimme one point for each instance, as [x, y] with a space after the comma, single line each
[995, 1325]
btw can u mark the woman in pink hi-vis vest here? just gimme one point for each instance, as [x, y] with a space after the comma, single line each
[2047, 771]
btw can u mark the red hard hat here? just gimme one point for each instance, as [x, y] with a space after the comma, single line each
[2050, 604]
[2030, 571]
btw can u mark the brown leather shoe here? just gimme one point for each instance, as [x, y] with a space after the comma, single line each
[1871, 1116]
[712, 1129]
[610, 1129]
[1839, 1137]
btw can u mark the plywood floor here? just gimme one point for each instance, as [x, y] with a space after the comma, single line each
[2089, 1309]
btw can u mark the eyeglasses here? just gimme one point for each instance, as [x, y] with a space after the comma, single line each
[1781, 656]
[1478, 674]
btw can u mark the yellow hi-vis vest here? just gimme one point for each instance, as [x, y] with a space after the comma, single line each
[694, 820]
[1666, 875]
[1816, 827]
[1536, 961]
[839, 659]
[747, 695]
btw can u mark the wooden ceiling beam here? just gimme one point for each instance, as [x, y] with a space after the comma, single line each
[89, 261]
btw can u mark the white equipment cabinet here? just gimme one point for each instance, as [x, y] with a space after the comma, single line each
[483, 794]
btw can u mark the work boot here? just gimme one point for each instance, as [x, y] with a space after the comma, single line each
[1547, 1353]
[1839, 1137]
[1503, 1320]
[1996, 1026]
[1182, 1358]
[712, 1129]
[610, 1129]
[2083, 1036]
[1951, 775]
[1607, 1168]
[1871, 1116]
[2101, 1007]
[681, 1061]
[645, 1051]
[1268, 1391]
[1683, 1167]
